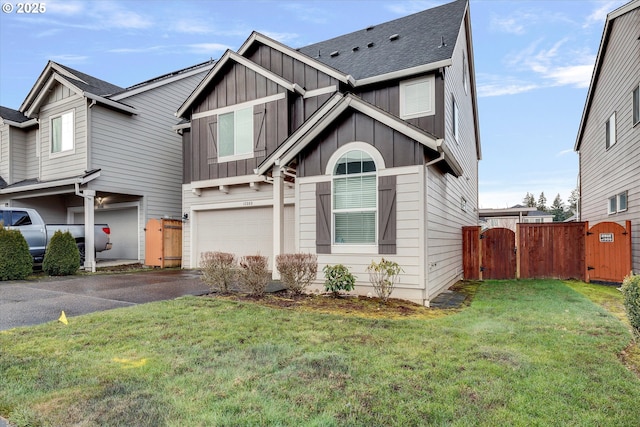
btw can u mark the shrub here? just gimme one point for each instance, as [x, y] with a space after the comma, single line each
[15, 260]
[338, 278]
[297, 271]
[254, 274]
[62, 257]
[383, 276]
[218, 270]
[631, 292]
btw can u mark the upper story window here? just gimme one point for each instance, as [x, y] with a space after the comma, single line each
[354, 199]
[235, 135]
[636, 105]
[611, 131]
[417, 97]
[465, 75]
[456, 119]
[62, 133]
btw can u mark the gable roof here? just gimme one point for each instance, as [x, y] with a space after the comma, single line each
[632, 5]
[331, 110]
[425, 37]
[15, 118]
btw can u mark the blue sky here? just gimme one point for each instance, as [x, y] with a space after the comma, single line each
[533, 62]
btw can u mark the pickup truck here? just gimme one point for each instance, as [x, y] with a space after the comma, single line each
[38, 234]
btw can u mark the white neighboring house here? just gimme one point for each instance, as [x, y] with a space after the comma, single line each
[608, 141]
[510, 217]
[334, 149]
[80, 144]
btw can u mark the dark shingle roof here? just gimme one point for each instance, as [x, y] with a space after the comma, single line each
[370, 52]
[13, 115]
[91, 84]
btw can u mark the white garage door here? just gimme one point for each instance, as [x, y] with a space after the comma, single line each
[246, 231]
[124, 232]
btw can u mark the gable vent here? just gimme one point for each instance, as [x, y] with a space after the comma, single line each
[393, 37]
[370, 44]
[334, 53]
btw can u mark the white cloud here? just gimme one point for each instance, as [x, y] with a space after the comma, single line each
[496, 89]
[599, 14]
[305, 12]
[68, 58]
[67, 8]
[207, 48]
[148, 49]
[285, 38]
[511, 25]
[192, 26]
[564, 152]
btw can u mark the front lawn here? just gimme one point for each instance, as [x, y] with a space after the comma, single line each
[523, 353]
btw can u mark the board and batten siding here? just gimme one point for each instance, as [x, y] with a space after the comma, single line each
[607, 172]
[64, 165]
[237, 197]
[409, 243]
[451, 203]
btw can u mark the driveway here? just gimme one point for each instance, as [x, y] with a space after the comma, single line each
[25, 303]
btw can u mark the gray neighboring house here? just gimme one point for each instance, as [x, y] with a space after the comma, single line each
[82, 150]
[608, 141]
[510, 217]
[356, 148]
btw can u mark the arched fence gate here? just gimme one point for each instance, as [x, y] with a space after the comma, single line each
[573, 250]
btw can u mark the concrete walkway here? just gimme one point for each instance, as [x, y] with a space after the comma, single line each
[32, 302]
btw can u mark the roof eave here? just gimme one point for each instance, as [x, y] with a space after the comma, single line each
[83, 179]
[407, 72]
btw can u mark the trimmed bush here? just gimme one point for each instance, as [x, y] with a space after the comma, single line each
[62, 257]
[219, 270]
[338, 278]
[297, 271]
[631, 292]
[383, 276]
[16, 262]
[254, 274]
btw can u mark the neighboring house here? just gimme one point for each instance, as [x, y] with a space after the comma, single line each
[608, 141]
[509, 217]
[356, 148]
[79, 144]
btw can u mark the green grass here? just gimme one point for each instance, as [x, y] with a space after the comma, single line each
[524, 353]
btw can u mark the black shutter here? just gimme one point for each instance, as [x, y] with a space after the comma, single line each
[212, 135]
[323, 217]
[387, 215]
[259, 137]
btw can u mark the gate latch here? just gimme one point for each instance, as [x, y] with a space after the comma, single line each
[591, 268]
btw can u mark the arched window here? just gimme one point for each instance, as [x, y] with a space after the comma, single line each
[354, 201]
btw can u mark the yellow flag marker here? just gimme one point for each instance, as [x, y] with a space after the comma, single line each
[63, 318]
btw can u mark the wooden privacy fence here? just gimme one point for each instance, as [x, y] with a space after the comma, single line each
[556, 250]
[163, 243]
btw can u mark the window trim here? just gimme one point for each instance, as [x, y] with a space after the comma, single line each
[635, 113]
[371, 151]
[235, 156]
[455, 113]
[72, 150]
[430, 110]
[610, 131]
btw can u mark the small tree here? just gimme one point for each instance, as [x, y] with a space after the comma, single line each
[218, 270]
[254, 270]
[16, 262]
[383, 276]
[542, 203]
[557, 209]
[529, 200]
[631, 292]
[62, 257]
[338, 278]
[297, 271]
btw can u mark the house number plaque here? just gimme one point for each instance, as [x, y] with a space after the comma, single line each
[606, 237]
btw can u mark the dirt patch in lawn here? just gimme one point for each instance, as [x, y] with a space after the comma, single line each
[354, 305]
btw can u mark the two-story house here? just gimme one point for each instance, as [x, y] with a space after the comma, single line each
[82, 150]
[608, 141]
[355, 148]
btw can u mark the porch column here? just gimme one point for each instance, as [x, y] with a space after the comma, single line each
[89, 238]
[278, 218]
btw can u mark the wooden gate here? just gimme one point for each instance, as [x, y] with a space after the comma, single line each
[498, 249]
[163, 243]
[608, 250]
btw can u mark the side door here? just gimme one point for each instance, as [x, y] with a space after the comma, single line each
[34, 234]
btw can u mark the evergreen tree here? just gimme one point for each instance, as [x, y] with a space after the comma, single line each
[558, 210]
[574, 198]
[529, 201]
[542, 203]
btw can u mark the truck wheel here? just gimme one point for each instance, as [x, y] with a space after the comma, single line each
[82, 253]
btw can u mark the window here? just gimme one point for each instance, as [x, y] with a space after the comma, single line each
[636, 105]
[618, 203]
[611, 131]
[62, 131]
[456, 120]
[417, 98]
[354, 199]
[235, 135]
[464, 73]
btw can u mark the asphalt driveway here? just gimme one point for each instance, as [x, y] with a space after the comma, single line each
[25, 303]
